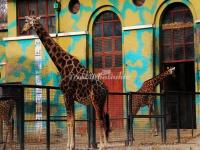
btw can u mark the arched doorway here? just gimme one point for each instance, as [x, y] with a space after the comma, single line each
[177, 49]
[107, 57]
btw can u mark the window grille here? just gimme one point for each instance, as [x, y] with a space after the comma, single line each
[3, 14]
[43, 8]
[107, 43]
[177, 35]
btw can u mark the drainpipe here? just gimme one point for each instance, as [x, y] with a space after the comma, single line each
[57, 8]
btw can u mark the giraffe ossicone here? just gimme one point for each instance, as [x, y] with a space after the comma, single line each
[85, 90]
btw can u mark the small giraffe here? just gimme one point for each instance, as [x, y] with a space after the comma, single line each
[6, 114]
[77, 83]
[139, 100]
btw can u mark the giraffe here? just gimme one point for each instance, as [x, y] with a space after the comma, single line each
[139, 100]
[6, 115]
[77, 83]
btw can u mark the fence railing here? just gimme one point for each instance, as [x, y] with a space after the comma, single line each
[41, 118]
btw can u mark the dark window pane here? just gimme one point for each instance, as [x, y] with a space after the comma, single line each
[188, 17]
[108, 61]
[43, 21]
[99, 19]
[107, 45]
[32, 8]
[179, 36]
[167, 36]
[97, 63]
[178, 17]
[115, 17]
[21, 23]
[118, 44]
[98, 45]
[42, 7]
[22, 8]
[178, 52]
[118, 60]
[50, 7]
[3, 14]
[52, 24]
[118, 29]
[167, 18]
[108, 28]
[97, 30]
[189, 37]
[189, 51]
[167, 53]
[107, 16]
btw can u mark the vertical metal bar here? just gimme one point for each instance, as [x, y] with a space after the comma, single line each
[131, 120]
[162, 117]
[178, 118]
[20, 109]
[192, 108]
[48, 120]
[163, 112]
[91, 127]
[127, 120]
[1, 130]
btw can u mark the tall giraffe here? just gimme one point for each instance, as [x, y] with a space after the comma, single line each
[140, 100]
[77, 83]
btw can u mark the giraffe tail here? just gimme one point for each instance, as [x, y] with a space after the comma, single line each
[107, 122]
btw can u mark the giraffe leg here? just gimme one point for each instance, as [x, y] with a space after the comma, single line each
[154, 128]
[10, 137]
[103, 138]
[70, 125]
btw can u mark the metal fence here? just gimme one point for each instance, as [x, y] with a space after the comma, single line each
[40, 119]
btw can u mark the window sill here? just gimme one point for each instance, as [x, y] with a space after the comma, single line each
[52, 35]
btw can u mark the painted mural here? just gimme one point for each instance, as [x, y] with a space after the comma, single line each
[140, 39]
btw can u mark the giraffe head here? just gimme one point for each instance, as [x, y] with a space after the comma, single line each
[29, 23]
[171, 70]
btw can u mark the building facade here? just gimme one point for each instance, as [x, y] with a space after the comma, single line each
[130, 39]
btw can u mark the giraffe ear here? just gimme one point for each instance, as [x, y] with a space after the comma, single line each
[27, 17]
[38, 18]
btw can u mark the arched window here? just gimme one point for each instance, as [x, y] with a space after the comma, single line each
[177, 41]
[107, 49]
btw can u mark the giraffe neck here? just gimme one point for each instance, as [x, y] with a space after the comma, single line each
[159, 78]
[57, 54]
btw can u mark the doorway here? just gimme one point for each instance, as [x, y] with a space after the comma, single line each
[183, 82]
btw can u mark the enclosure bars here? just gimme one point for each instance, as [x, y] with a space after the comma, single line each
[163, 120]
[161, 116]
[130, 120]
[91, 128]
[178, 118]
[91, 122]
[48, 119]
[20, 108]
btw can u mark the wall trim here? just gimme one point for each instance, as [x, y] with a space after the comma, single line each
[137, 27]
[197, 21]
[52, 35]
[2, 63]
